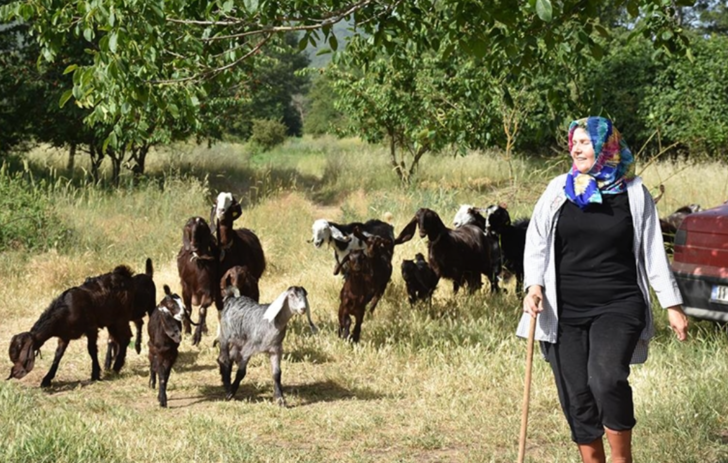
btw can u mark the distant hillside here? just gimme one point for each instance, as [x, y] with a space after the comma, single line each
[343, 32]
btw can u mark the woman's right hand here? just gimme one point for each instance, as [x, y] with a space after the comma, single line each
[533, 302]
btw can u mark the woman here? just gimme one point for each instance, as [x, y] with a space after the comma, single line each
[593, 247]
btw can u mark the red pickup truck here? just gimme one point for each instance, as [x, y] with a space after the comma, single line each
[700, 263]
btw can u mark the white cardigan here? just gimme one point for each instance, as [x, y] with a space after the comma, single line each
[653, 268]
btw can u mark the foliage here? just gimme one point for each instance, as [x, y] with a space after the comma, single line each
[140, 48]
[267, 134]
[688, 102]
[27, 217]
[320, 114]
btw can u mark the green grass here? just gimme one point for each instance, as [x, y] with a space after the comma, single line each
[439, 383]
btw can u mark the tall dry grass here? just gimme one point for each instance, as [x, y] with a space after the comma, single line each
[430, 383]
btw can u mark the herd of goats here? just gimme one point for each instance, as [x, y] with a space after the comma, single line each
[221, 265]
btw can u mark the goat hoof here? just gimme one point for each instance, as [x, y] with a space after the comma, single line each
[229, 396]
[45, 383]
[282, 403]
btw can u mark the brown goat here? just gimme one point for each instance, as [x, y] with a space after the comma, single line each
[199, 270]
[103, 301]
[368, 273]
[460, 255]
[237, 247]
[241, 278]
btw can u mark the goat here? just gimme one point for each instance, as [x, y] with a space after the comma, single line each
[198, 269]
[103, 301]
[341, 236]
[241, 278]
[248, 328]
[369, 273]
[165, 336]
[240, 246]
[671, 223]
[145, 292]
[468, 214]
[512, 239]
[419, 278]
[460, 254]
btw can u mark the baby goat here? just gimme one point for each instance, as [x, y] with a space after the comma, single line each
[248, 328]
[420, 279]
[165, 335]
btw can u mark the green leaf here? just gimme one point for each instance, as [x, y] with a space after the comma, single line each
[333, 43]
[65, 97]
[113, 40]
[544, 10]
[70, 69]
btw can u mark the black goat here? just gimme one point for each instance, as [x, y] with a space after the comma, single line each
[199, 272]
[512, 239]
[103, 301]
[671, 223]
[165, 335]
[419, 278]
[145, 293]
[460, 255]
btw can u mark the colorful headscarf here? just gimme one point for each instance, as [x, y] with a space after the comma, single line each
[613, 167]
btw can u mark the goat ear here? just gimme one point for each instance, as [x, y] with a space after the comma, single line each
[407, 232]
[276, 306]
[167, 291]
[337, 235]
[171, 326]
[236, 209]
[21, 352]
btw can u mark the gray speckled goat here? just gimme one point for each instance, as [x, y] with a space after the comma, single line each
[247, 328]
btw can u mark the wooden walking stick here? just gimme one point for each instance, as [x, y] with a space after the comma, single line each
[527, 388]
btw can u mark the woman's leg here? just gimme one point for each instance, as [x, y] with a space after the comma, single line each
[568, 359]
[612, 340]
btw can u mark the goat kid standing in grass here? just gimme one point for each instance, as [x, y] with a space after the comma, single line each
[165, 335]
[248, 328]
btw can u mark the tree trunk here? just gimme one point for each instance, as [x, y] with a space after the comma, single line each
[71, 158]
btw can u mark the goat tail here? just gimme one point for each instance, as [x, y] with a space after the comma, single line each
[188, 316]
[149, 270]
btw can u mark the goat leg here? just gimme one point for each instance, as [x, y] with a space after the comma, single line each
[138, 343]
[239, 375]
[187, 298]
[153, 365]
[275, 364]
[201, 326]
[112, 350]
[226, 366]
[62, 344]
[358, 318]
[163, 378]
[93, 352]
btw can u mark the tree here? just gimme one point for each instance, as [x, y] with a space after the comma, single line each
[146, 46]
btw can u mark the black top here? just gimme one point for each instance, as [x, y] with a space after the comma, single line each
[595, 266]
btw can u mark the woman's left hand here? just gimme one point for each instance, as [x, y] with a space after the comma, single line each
[678, 321]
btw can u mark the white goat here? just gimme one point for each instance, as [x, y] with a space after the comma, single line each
[248, 328]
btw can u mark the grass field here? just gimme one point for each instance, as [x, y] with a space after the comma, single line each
[426, 384]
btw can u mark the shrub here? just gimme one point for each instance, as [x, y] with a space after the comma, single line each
[27, 218]
[267, 133]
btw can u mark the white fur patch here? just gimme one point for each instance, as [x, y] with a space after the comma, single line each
[224, 200]
[321, 232]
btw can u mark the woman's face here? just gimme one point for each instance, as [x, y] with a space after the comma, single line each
[582, 151]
